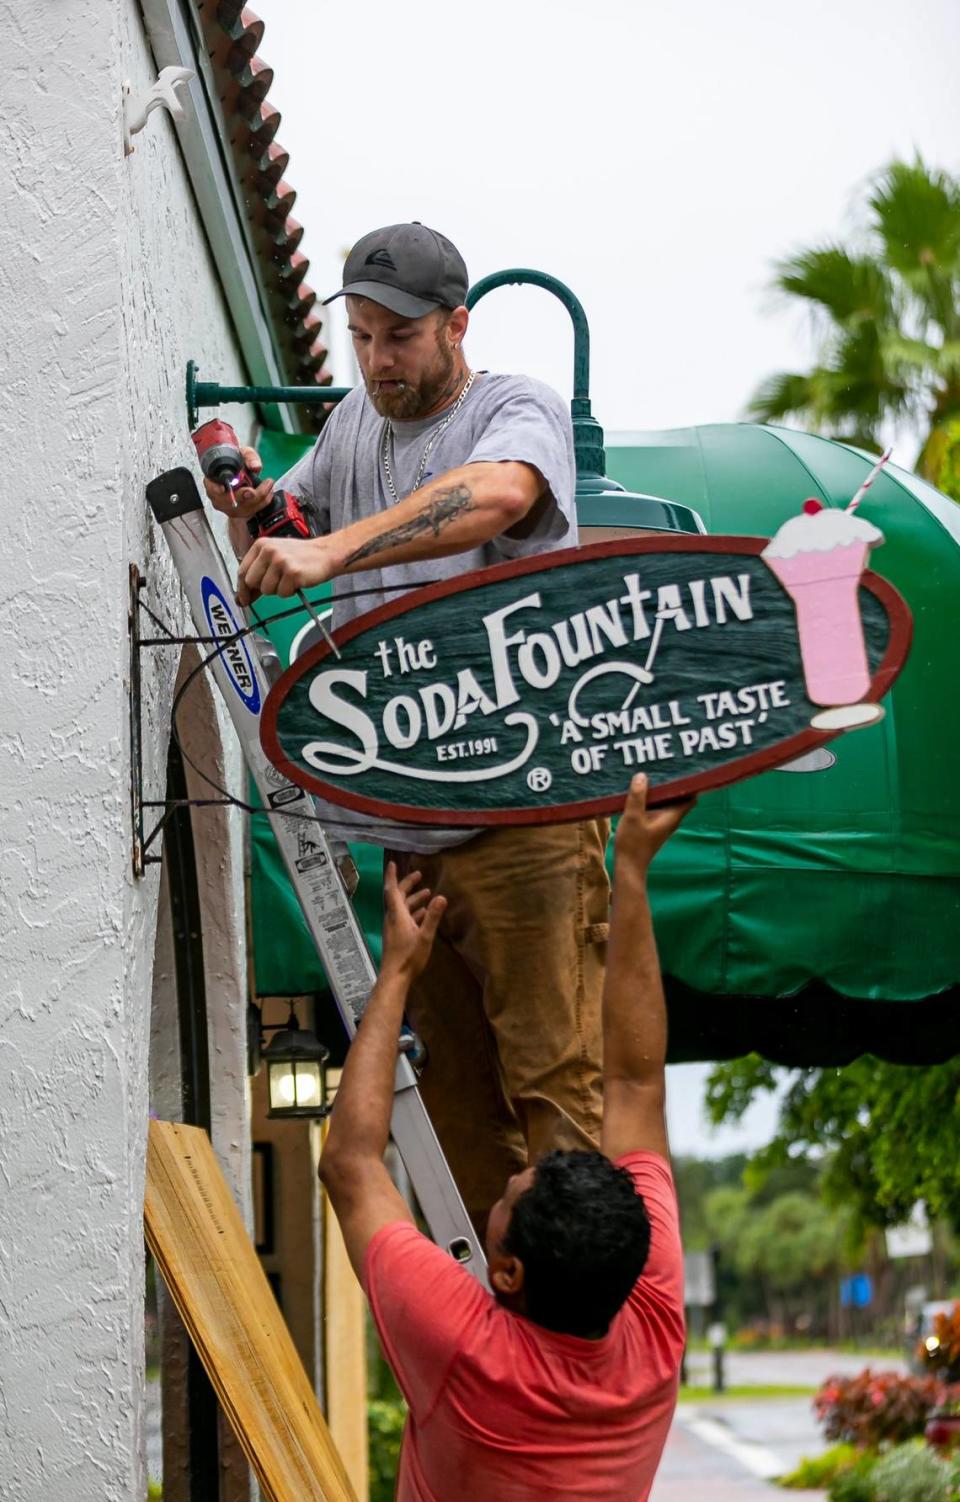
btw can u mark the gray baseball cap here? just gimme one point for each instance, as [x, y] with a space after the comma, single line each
[408, 268]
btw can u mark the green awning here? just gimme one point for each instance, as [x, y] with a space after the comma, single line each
[836, 884]
[785, 896]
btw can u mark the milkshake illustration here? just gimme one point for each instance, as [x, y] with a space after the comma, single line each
[818, 557]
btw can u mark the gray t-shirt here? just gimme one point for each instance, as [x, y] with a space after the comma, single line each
[342, 479]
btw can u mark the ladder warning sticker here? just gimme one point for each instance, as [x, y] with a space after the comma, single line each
[326, 905]
[284, 792]
[310, 851]
[308, 862]
[285, 795]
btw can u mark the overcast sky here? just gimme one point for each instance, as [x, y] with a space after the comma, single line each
[656, 156]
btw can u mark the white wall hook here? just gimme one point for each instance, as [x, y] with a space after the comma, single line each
[162, 93]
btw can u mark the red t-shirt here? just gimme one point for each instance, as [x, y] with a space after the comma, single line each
[502, 1410]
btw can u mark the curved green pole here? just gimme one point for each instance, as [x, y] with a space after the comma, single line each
[587, 432]
[572, 303]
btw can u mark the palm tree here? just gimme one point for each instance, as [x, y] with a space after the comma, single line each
[889, 315]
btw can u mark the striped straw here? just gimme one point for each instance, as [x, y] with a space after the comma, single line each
[869, 480]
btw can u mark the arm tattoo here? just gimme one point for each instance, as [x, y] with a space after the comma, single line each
[443, 507]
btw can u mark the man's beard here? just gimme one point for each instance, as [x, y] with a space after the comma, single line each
[415, 398]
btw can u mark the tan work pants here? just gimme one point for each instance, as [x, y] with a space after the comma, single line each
[509, 1005]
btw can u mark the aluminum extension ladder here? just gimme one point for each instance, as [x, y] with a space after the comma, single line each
[243, 669]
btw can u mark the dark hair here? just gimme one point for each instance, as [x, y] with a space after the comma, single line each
[582, 1234]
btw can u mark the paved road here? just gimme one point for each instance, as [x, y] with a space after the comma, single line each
[694, 1468]
[734, 1449]
[734, 1446]
[786, 1368]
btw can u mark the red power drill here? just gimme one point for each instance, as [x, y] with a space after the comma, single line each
[218, 449]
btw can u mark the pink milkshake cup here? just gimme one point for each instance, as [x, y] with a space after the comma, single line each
[819, 557]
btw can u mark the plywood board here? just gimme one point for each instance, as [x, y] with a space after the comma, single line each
[202, 1249]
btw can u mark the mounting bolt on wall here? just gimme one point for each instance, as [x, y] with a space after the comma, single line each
[160, 95]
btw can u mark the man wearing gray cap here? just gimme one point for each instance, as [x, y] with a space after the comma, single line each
[428, 471]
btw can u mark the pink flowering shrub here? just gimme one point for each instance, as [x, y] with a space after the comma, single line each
[876, 1408]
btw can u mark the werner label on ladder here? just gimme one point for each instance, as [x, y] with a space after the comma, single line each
[242, 668]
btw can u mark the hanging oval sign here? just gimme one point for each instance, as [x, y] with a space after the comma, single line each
[531, 692]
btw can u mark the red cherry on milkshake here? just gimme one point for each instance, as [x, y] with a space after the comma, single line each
[811, 506]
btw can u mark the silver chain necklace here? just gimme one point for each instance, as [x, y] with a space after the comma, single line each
[386, 442]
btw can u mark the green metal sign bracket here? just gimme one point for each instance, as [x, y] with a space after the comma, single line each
[211, 394]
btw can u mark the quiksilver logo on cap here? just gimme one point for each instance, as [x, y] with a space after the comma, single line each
[381, 258]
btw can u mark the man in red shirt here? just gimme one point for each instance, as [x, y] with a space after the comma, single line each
[562, 1382]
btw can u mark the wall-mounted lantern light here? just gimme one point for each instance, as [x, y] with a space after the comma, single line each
[296, 1072]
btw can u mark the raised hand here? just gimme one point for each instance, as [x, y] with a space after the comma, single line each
[410, 923]
[642, 831]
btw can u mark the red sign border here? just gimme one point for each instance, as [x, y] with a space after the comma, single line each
[901, 635]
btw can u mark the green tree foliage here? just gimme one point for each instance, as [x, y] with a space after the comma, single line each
[780, 1245]
[885, 1134]
[774, 1234]
[386, 1419]
[887, 310]
[695, 1179]
[790, 1241]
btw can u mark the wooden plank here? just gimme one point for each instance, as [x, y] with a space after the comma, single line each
[345, 1348]
[202, 1249]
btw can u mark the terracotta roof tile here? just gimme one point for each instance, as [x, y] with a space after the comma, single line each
[308, 329]
[315, 355]
[245, 29]
[302, 301]
[293, 269]
[254, 77]
[289, 234]
[261, 121]
[280, 200]
[233, 34]
[273, 164]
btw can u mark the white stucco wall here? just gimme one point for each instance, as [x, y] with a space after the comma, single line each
[106, 288]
